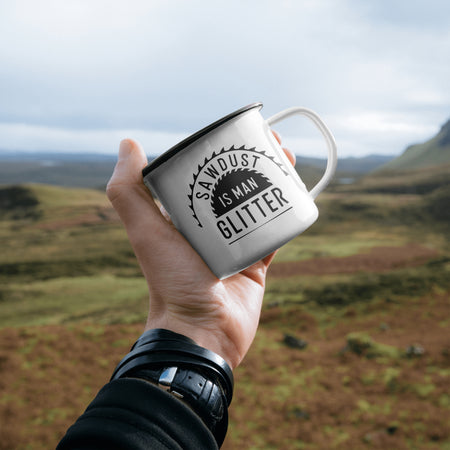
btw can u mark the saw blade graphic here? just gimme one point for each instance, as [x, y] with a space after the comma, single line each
[216, 155]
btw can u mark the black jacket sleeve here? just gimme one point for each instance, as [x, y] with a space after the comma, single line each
[132, 414]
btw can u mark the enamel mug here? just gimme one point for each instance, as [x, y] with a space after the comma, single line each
[232, 192]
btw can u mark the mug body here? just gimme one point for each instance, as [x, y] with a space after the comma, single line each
[232, 192]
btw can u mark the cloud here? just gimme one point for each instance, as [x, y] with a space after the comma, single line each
[99, 67]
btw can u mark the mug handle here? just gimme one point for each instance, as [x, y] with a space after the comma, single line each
[331, 143]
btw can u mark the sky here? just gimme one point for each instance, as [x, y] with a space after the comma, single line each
[79, 76]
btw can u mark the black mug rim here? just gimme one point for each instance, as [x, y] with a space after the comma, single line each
[193, 137]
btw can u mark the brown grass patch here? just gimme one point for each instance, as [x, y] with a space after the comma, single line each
[326, 397]
[317, 398]
[378, 259]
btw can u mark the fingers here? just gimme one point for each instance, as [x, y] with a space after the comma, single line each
[269, 258]
[277, 136]
[289, 154]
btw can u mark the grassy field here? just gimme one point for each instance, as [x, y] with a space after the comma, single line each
[365, 292]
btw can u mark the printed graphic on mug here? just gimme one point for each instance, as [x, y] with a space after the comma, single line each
[232, 187]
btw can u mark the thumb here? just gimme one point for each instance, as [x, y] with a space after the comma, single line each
[126, 190]
[148, 230]
[127, 172]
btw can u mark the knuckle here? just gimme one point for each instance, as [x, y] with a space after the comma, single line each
[112, 191]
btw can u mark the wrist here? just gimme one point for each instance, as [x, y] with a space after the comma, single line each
[211, 340]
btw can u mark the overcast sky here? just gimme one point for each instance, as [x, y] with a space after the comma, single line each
[81, 75]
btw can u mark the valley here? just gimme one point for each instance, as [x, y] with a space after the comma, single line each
[352, 351]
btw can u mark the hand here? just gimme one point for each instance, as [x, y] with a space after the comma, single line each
[185, 296]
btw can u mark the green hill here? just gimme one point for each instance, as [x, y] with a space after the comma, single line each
[422, 169]
[434, 152]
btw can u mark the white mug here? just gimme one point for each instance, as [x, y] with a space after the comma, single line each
[232, 192]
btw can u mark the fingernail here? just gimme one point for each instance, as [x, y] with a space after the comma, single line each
[125, 148]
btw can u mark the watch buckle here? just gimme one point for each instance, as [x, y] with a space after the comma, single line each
[166, 379]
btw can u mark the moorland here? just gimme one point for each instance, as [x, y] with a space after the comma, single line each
[353, 348]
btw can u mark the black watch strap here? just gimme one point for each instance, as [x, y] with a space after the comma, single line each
[164, 348]
[201, 394]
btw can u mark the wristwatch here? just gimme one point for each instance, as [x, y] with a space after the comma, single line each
[162, 349]
[196, 376]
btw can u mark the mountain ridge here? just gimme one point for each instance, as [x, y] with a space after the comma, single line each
[433, 152]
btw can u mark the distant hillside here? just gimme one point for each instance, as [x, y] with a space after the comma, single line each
[61, 169]
[31, 201]
[348, 165]
[415, 181]
[94, 170]
[348, 170]
[434, 152]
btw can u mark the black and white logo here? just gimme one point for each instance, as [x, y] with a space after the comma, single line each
[235, 193]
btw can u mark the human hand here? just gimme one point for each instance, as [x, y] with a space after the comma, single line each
[185, 296]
